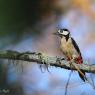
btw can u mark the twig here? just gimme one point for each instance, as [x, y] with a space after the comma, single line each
[66, 88]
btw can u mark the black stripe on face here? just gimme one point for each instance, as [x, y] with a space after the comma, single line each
[66, 37]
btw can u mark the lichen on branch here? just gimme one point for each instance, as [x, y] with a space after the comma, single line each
[41, 58]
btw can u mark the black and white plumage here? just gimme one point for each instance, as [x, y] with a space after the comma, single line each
[70, 49]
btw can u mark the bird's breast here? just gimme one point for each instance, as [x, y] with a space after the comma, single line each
[67, 48]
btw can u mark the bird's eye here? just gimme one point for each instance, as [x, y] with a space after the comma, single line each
[61, 31]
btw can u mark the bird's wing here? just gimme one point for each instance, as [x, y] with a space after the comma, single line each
[76, 46]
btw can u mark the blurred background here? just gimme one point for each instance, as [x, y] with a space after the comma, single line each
[27, 25]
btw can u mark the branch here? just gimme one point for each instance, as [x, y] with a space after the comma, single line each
[40, 59]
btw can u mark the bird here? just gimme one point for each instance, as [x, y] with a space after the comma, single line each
[70, 49]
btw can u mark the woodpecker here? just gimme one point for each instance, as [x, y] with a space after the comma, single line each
[70, 49]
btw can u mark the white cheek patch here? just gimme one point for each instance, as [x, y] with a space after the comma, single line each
[65, 33]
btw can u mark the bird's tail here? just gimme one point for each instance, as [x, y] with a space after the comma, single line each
[82, 76]
[81, 73]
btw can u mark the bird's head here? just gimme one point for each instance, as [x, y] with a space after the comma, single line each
[63, 32]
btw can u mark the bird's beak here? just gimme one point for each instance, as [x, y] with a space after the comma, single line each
[55, 33]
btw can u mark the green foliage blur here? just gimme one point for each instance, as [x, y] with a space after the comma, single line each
[15, 17]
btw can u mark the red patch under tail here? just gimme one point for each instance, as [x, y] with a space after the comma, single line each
[79, 60]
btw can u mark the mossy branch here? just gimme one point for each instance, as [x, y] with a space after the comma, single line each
[41, 58]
